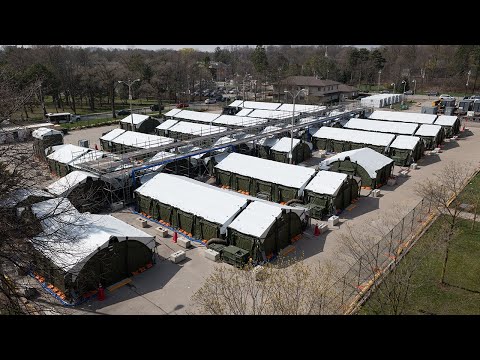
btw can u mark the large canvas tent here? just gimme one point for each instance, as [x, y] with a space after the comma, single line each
[85, 249]
[130, 140]
[409, 117]
[271, 114]
[60, 160]
[236, 121]
[264, 228]
[373, 168]
[106, 139]
[302, 150]
[339, 140]
[405, 150]
[450, 124]
[172, 112]
[391, 127]
[83, 189]
[186, 130]
[263, 178]
[196, 116]
[162, 129]
[201, 210]
[329, 192]
[44, 138]
[431, 135]
[141, 123]
[259, 105]
[16, 201]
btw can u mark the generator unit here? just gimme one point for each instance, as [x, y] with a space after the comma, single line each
[235, 256]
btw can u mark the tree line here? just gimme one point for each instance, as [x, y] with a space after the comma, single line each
[73, 76]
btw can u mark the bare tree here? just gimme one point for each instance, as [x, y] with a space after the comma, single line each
[289, 286]
[443, 190]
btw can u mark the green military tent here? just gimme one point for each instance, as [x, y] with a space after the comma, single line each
[390, 127]
[184, 130]
[302, 150]
[59, 162]
[329, 192]
[431, 135]
[339, 140]
[162, 129]
[264, 228]
[201, 210]
[85, 249]
[130, 141]
[450, 124]
[43, 138]
[373, 168]
[267, 179]
[106, 139]
[141, 123]
[405, 150]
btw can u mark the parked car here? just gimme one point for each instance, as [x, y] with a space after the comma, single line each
[220, 98]
[432, 93]
[385, 92]
[181, 105]
[210, 101]
[123, 112]
[233, 91]
[445, 96]
[155, 107]
[408, 92]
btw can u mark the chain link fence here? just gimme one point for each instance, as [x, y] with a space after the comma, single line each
[351, 289]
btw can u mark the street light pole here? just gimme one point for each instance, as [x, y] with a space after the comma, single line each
[393, 84]
[293, 116]
[129, 83]
[415, 86]
[404, 95]
[468, 78]
[379, 73]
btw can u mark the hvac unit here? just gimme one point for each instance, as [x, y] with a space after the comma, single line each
[84, 143]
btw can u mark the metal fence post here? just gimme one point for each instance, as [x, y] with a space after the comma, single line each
[401, 233]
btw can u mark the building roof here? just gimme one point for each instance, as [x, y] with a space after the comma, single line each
[196, 116]
[137, 119]
[257, 219]
[73, 237]
[19, 195]
[356, 136]
[301, 108]
[271, 114]
[212, 203]
[260, 105]
[243, 112]
[141, 140]
[172, 112]
[405, 142]
[308, 81]
[167, 124]
[186, 127]
[236, 120]
[446, 120]
[64, 185]
[346, 88]
[67, 153]
[382, 126]
[267, 170]
[428, 130]
[367, 158]
[326, 182]
[112, 134]
[40, 133]
[403, 116]
[284, 144]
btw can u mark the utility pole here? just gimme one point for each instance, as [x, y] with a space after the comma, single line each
[129, 83]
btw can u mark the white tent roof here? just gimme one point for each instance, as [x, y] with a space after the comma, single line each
[301, 108]
[446, 120]
[356, 136]
[20, 195]
[382, 126]
[172, 112]
[367, 158]
[213, 204]
[284, 144]
[64, 185]
[167, 124]
[405, 142]
[159, 157]
[73, 238]
[260, 105]
[236, 103]
[67, 153]
[141, 140]
[186, 127]
[236, 120]
[244, 112]
[257, 219]
[403, 117]
[40, 133]
[267, 170]
[137, 119]
[90, 156]
[327, 182]
[268, 141]
[112, 134]
[428, 130]
[271, 114]
[196, 116]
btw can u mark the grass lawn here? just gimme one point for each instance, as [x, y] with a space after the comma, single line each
[89, 123]
[472, 190]
[462, 295]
